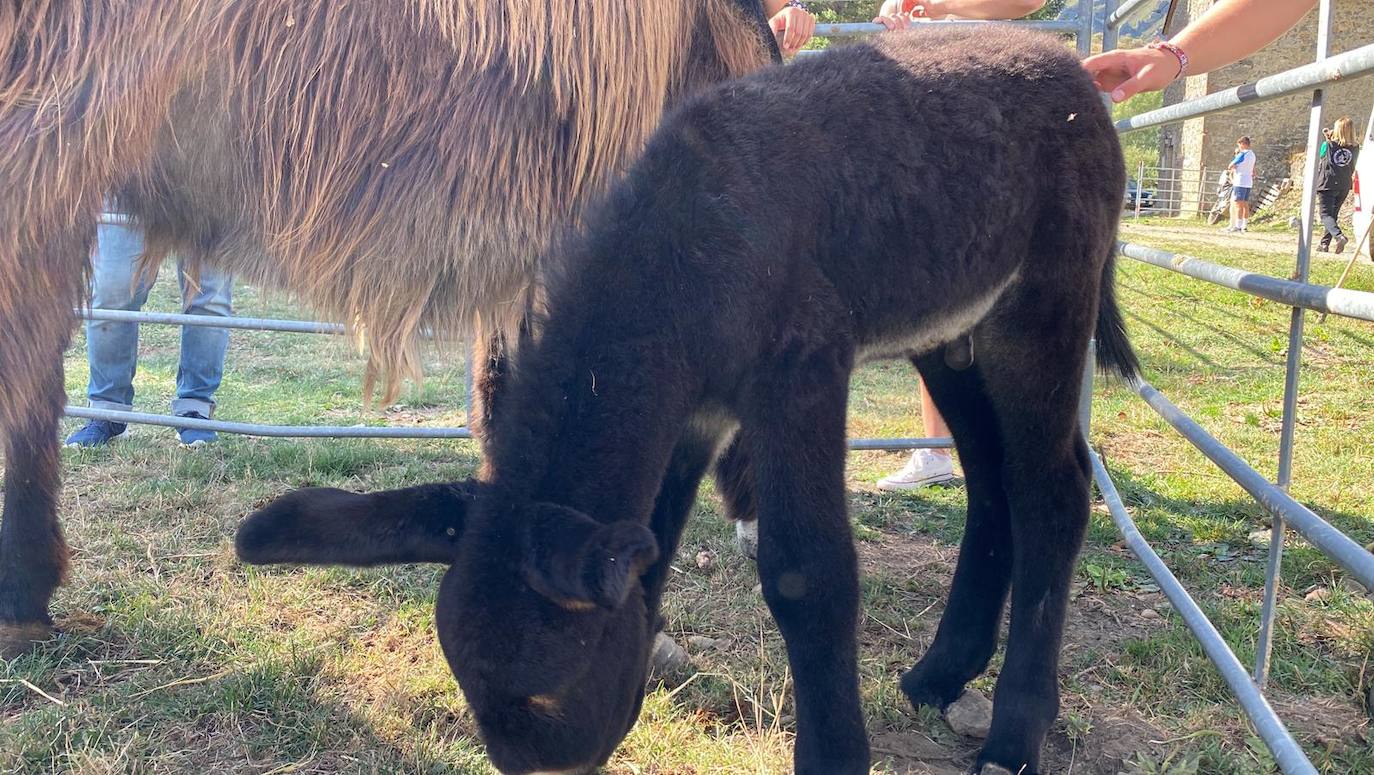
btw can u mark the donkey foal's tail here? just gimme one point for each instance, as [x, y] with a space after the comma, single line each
[1114, 351]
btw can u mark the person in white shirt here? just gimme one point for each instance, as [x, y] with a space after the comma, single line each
[1242, 169]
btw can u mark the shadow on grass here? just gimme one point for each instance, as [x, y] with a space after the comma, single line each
[171, 694]
[1158, 518]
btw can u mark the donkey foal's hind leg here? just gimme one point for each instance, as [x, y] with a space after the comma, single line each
[967, 636]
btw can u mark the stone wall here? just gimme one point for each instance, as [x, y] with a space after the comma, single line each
[1278, 128]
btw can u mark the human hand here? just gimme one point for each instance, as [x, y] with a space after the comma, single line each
[792, 26]
[1128, 72]
[898, 21]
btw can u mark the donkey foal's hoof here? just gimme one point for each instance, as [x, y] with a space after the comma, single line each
[747, 538]
[19, 638]
[920, 689]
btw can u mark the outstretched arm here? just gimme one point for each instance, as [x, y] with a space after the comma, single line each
[895, 14]
[1229, 30]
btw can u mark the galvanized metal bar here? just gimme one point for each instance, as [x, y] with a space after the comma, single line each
[212, 321]
[1110, 32]
[857, 29]
[1139, 188]
[1116, 16]
[1355, 63]
[1085, 389]
[1084, 35]
[1338, 301]
[275, 431]
[1287, 753]
[1293, 367]
[381, 432]
[1335, 544]
[932, 442]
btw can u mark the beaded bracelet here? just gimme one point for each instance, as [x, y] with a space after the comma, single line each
[1160, 44]
[798, 4]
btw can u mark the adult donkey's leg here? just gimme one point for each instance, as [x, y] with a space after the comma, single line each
[794, 430]
[491, 363]
[490, 369]
[967, 636]
[35, 325]
[84, 87]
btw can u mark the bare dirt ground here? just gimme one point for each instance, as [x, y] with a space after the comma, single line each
[1103, 740]
[1272, 242]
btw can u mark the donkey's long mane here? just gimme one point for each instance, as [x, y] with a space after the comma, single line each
[306, 144]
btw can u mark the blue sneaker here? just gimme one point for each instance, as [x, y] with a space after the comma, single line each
[195, 437]
[96, 433]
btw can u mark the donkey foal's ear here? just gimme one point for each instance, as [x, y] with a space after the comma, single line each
[325, 526]
[578, 562]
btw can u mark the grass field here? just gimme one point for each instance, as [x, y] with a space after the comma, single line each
[176, 658]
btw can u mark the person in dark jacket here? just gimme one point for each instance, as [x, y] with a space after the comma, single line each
[1335, 168]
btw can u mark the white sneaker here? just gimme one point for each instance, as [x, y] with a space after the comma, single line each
[926, 467]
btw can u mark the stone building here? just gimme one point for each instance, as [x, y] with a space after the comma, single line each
[1202, 147]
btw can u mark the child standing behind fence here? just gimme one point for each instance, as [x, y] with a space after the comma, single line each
[1334, 171]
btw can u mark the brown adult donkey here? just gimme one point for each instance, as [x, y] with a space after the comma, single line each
[399, 165]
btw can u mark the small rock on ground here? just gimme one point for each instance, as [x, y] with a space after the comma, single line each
[994, 769]
[706, 560]
[668, 658]
[701, 642]
[970, 715]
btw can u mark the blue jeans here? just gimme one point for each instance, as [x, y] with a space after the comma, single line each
[112, 348]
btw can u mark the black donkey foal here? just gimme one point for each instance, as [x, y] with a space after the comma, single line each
[945, 195]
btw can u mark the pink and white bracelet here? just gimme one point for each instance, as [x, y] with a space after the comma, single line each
[1160, 44]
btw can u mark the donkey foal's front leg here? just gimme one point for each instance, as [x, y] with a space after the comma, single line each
[807, 562]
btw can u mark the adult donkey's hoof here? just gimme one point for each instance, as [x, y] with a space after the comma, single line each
[17, 638]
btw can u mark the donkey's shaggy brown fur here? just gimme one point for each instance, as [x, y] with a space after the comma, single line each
[398, 165]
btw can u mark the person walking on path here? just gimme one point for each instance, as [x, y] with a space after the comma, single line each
[1335, 170]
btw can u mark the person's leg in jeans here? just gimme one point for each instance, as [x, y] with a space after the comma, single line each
[112, 348]
[202, 349]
